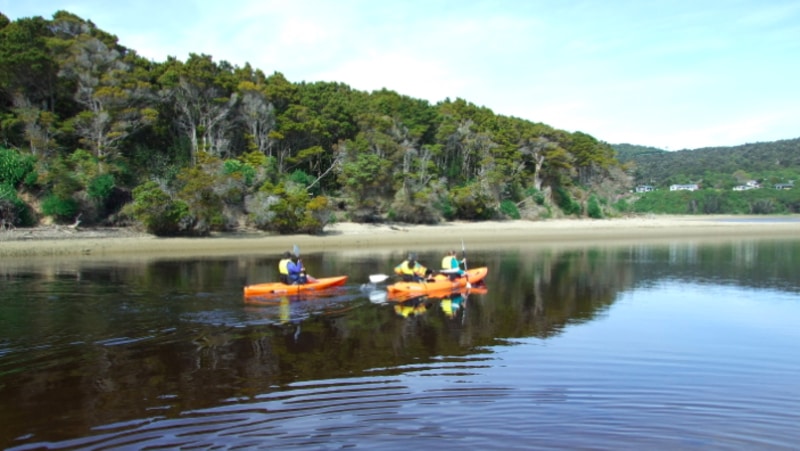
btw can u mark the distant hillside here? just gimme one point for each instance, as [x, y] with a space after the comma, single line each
[628, 152]
[660, 167]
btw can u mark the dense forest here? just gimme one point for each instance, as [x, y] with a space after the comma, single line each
[92, 133]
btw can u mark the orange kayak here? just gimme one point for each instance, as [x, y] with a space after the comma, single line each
[439, 283]
[282, 289]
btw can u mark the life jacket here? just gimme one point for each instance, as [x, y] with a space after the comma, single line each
[283, 266]
[405, 268]
[449, 262]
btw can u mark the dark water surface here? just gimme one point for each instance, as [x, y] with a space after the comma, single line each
[681, 346]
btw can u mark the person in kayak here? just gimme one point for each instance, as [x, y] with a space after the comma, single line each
[283, 268]
[297, 272]
[451, 265]
[411, 270]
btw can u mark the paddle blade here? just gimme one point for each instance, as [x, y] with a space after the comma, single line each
[378, 296]
[378, 278]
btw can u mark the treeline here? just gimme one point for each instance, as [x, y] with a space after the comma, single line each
[93, 132]
[713, 167]
[717, 171]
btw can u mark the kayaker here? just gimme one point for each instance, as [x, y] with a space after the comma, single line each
[451, 265]
[297, 272]
[283, 267]
[411, 270]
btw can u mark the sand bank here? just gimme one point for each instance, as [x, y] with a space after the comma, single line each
[85, 243]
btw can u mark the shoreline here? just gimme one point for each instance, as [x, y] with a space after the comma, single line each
[108, 242]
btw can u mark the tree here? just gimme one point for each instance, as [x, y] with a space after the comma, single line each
[202, 104]
[113, 101]
[258, 116]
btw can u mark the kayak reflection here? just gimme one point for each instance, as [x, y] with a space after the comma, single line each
[298, 308]
[450, 303]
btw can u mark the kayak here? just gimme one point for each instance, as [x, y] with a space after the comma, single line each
[282, 289]
[440, 282]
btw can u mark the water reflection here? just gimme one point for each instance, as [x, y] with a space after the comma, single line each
[95, 348]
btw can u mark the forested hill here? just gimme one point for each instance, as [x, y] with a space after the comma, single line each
[92, 132]
[780, 159]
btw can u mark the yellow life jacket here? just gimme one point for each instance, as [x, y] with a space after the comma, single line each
[449, 262]
[283, 266]
[404, 268]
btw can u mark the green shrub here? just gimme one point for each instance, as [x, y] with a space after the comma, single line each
[247, 171]
[14, 211]
[158, 213]
[316, 215]
[566, 203]
[509, 209]
[593, 208]
[61, 208]
[101, 187]
[16, 168]
[536, 195]
[622, 206]
[471, 203]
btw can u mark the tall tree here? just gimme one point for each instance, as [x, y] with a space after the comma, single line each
[204, 107]
[115, 104]
[258, 116]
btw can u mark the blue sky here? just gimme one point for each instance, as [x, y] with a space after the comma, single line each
[673, 74]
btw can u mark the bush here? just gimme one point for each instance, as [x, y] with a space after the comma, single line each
[593, 208]
[509, 209]
[158, 213]
[13, 211]
[566, 203]
[622, 206]
[101, 187]
[316, 215]
[536, 195]
[471, 203]
[63, 209]
[418, 209]
[16, 168]
[248, 172]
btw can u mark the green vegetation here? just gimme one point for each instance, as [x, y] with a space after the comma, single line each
[717, 171]
[91, 130]
[757, 201]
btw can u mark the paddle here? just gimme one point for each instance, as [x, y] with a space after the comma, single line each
[464, 258]
[296, 250]
[378, 278]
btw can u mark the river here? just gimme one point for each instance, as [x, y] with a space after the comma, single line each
[662, 346]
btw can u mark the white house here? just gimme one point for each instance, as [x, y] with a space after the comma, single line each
[644, 188]
[750, 184]
[689, 187]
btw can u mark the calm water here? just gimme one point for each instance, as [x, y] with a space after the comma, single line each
[682, 346]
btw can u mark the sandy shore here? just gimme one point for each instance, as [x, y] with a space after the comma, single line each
[86, 243]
